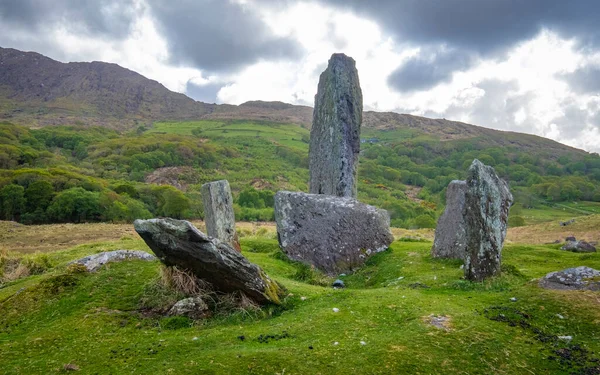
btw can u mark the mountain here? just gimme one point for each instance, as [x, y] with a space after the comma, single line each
[38, 91]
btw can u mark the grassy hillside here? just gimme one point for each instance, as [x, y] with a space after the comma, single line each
[80, 174]
[97, 323]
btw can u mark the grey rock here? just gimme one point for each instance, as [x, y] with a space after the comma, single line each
[487, 202]
[450, 234]
[338, 284]
[571, 239]
[565, 223]
[95, 262]
[578, 278]
[579, 247]
[334, 234]
[179, 243]
[335, 133]
[193, 307]
[218, 212]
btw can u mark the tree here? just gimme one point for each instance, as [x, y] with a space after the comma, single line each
[39, 194]
[175, 204]
[13, 201]
[75, 205]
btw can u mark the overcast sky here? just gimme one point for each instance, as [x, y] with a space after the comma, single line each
[524, 65]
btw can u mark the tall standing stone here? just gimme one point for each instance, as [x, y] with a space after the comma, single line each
[218, 212]
[335, 132]
[487, 202]
[450, 235]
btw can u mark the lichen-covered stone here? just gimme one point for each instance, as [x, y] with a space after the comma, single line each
[577, 278]
[218, 212]
[335, 133]
[94, 262]
[193, 307]
[487, 202]
[334, 234]
[179, 243]
[579, 247]
[450, 235]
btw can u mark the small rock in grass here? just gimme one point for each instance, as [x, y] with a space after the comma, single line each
[514, 299]
[363, 343]
[401, 277]
[342, 274]
[303, 298]
[560, 316]
[338, 284]
[566, 338]
[310, 347]
[335, 309]
[336, 343]
[195, 339]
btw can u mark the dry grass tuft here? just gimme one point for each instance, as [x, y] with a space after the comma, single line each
[184, 281]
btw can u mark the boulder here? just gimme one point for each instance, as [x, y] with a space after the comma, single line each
[218, 212]
[334, 234]
[179, 243]
[571, 239]
[335, 132]
[193, 307]
[95, 262]
[450, 235]
[579, 247]
[578, 278]
[487, 202]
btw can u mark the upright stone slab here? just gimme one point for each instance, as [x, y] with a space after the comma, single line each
[334, 234]
[487, 201]
[335, 132]
[450, 235]
[218, 212]
[179, 243]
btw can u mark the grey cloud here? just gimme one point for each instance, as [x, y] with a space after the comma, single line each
[428, 69]
[108, 18]
[218, 35]
[584, 80]
[205, 93]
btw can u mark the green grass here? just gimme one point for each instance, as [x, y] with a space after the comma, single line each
[95, 324]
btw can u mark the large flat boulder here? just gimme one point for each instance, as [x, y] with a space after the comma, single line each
[179, 243]
[335, 132]
[577, 278]
[334, 234]
[487, 202]
[450, 235]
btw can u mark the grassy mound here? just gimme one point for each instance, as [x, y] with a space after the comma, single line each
[403, 313]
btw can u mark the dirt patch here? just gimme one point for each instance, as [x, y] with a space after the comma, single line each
[442, 322]
[179, 177]
[584, 228]
[412, 193]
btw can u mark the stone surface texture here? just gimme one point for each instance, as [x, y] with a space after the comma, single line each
[578, 278]
[193, 307]
[95, 262]
[450, 235]
[218, 212]
[335, 133]
[179, 243]
[579, 247]
[487, 202]
[334, 234]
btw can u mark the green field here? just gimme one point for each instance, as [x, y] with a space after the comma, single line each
[95, 323]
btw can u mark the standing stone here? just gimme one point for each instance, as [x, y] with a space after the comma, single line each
[179, 243]
[487, 201]
[218, 212]
[334, 234]
[335, 132]
[450, 235]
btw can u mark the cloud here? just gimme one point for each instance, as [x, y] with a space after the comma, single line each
[108, 18]
[427, 69]
[584, 80]
[205, 92]
[218, 35]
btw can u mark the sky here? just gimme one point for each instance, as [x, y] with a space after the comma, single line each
[527, 66]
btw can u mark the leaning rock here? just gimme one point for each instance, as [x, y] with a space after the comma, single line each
[450, 236]
[579, 278]
[179, 243]
[335, 132]
[193, 307]
[333, 234]
[218, 212]
[94, 262]
[579, 247]
[487, 201]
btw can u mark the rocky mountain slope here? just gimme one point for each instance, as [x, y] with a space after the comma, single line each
[38, 91]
